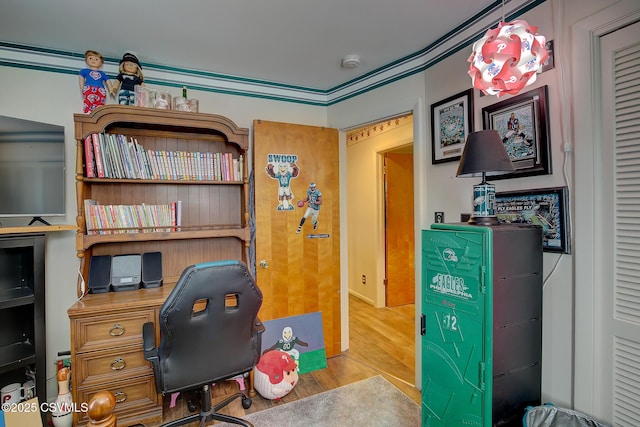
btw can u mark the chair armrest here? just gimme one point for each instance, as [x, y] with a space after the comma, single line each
[151, 352]
[149, 341]
[258, 327]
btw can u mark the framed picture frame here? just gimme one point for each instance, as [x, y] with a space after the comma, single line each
[545, 207]
[451, 124]
[523, 125]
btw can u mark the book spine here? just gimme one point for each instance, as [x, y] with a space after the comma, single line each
[153, 160]
[116, 156]
[90, 219]
[106, 160]
[146, 161]
[173, 164]
[120, 148]
[165, 174]
[104, 223]
[88, 157]
[173, 216]
[234, 170]
[97, 149]
[225, 167]
[178, 214]
[136, 160]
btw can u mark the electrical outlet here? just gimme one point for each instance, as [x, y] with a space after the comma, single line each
[364, 279]
[439, 217]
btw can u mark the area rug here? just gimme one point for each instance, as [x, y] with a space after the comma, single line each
[371, 402]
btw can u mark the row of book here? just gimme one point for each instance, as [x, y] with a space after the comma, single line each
[117, 219]
[118, 156]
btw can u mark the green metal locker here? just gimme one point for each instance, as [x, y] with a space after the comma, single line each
[481, 324]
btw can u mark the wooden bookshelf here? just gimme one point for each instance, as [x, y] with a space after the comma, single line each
[215, 226]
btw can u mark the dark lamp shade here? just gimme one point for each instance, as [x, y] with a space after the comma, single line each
[484, 153]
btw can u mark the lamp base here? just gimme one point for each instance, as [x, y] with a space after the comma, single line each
[483, 220]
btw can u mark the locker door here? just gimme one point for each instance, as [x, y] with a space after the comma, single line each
[457, 316]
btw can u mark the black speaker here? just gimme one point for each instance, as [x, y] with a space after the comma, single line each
[100, 274]
[152, 269]
[126, 272]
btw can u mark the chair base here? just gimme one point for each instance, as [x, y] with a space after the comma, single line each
[208, 413]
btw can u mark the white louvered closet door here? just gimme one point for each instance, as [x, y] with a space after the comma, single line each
[617, 316]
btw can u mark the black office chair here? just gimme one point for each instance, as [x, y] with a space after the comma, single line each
[209, 332]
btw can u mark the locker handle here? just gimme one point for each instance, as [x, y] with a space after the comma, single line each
[423, 325]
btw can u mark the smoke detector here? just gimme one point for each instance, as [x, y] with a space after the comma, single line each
[351, 61]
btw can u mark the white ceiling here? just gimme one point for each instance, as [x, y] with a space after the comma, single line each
[295, 42]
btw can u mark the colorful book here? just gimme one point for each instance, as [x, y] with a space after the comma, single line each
[106, 158]
[178, 214]
[89, 161]
[97, 150]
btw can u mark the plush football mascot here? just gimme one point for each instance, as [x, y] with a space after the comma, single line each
[275, 375]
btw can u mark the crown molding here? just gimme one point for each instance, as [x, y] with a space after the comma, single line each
[58, 61]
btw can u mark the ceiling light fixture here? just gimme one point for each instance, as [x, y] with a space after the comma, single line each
[506, 59]
[351, 61]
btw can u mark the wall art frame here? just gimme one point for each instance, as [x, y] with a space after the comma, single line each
[546, 207]
[523, 125]
[451, 124]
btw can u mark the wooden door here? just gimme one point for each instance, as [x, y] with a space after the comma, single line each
[399, 236]
[298, 266]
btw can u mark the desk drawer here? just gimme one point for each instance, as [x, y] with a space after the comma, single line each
[101, 367]
[136, 400]
[109, 331]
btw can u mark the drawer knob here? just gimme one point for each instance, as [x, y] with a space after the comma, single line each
[118, 364]
[116, 330]
[120, 396]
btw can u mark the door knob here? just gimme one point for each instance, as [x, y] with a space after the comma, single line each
[264, 263]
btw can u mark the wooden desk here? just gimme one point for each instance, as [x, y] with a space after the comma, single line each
[106, 352]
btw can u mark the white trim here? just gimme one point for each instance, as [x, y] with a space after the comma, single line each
[420, 218]
[344, 241]
[587, 121]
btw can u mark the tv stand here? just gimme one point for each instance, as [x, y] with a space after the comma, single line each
[38, 219]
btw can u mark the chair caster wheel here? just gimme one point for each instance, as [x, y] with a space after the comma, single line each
[246, 402]
[191, 406]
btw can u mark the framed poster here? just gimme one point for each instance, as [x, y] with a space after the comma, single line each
[545, 207]
[451, 123]
[301, 336]
[523, 124]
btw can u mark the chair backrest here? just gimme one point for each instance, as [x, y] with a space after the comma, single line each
[208, 326]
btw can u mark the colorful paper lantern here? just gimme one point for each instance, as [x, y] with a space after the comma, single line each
[507, 58]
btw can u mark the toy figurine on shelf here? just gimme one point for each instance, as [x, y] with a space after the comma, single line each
[94, 82]
[130, 76]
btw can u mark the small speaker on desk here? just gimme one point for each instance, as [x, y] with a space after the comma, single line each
[126, 272]
[151, 270]
[100, 274]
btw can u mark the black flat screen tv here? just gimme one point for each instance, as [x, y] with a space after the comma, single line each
[32, 172]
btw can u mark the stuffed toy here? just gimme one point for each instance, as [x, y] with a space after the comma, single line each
[129, 76]
[94, 82]
[275, 375]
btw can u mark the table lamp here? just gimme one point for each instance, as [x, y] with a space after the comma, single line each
[484, 155]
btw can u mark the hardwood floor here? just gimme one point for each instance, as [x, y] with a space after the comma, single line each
[381, 343]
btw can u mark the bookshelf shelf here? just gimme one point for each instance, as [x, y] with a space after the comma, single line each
[158, 181]
[237, 232]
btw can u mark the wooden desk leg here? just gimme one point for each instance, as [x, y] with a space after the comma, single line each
[252, 391]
